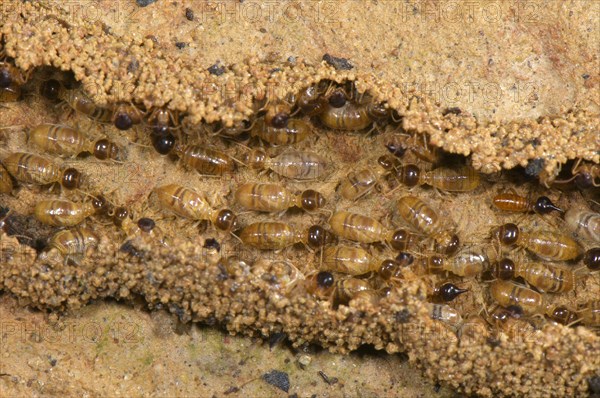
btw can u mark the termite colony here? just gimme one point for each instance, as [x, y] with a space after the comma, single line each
[351, 225]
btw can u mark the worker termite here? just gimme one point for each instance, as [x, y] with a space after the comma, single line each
[371, 296]
[73, 244]
[591, 259]
[34, 169]
[349, 260]
[392, 269]
[6, 184]
[206, 161]
[65, 213]
[426, 220]
[547, 245]
[544, 277]
[510, 201]
[279, 235]
[420, 148]
[81, 103]
[342, 114]
[187, 203]
[462, 179]
[508, 293]
[584, 223]
[590, 313]
[446, 314]
[466, 265]
[66, 141]
[276, 198]
[346, 289]
[126, 115]
[291, 131]
[297, 165]
[365, 229]
[358, 183]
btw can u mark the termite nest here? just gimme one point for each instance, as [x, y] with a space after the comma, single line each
[322, 194]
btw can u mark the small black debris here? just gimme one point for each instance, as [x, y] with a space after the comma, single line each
[216, 69]
[493, 342]
[128, 248]
[189, 14]
[437, 387]
[338, 63]
[262, 30]
[403, 316]
[277, 379]
[212, 243]
[329, 380]
[453, 110]
[585, 76]
[180, 45]
[275, 339]
[535, 142]
[52, 361]
[144, 3]
[534, 167]
[231, 390]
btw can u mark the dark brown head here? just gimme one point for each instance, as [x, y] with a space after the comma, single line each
[449, 291]
[163, 143]
[451, 246]
[325, 280]
[400, 240]
[50, 89]
[226, 220]
[543, 205]
[584, 180]
[409, 175]
[504, 269]
[120, 214]
[122, 120]
[591, 259]
[405, 259]
[71, 178]
[507, 234]
[312, 200]
[378, 111]
[100, 204]
[563, 315]
[318, 237]
[337, 99]
[388, 269]
[280, 120]
[105, 149]
[146, 224]
[396, 149]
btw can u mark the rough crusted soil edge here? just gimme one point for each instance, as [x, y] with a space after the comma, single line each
[553, 362]
[44, 35]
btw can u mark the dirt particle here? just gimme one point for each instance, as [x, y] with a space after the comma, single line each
[594, 385]
[212, 243]
[403, 316]
[217, 69]
[453, 110]
[133, 65]
[189, 14]
[276, 339]
[180, 45]
[262, 30]
[278, 379]
[338, 63]
[585, 76]
[534, 167]
[144, 3]
[329, 380]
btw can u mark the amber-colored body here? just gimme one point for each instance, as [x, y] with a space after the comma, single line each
[275, 198]
[63, 213]
[347, 259]
[296, 130]
[206, 161]
[293, 164]
[508, 293]
[74, 242]
[584, 223]
[6, 184]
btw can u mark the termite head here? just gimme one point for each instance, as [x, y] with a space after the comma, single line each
[337, 99]
[591, 259]
[507, 234]
[504, 269]
[449, 291]
[543, 205]
[318, 237]
[71, 178]
[50, 89]
[226, 220]
[400, 240]
[146, 224]
[312, 200]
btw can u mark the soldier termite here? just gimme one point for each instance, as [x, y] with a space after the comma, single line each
[510, 201]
